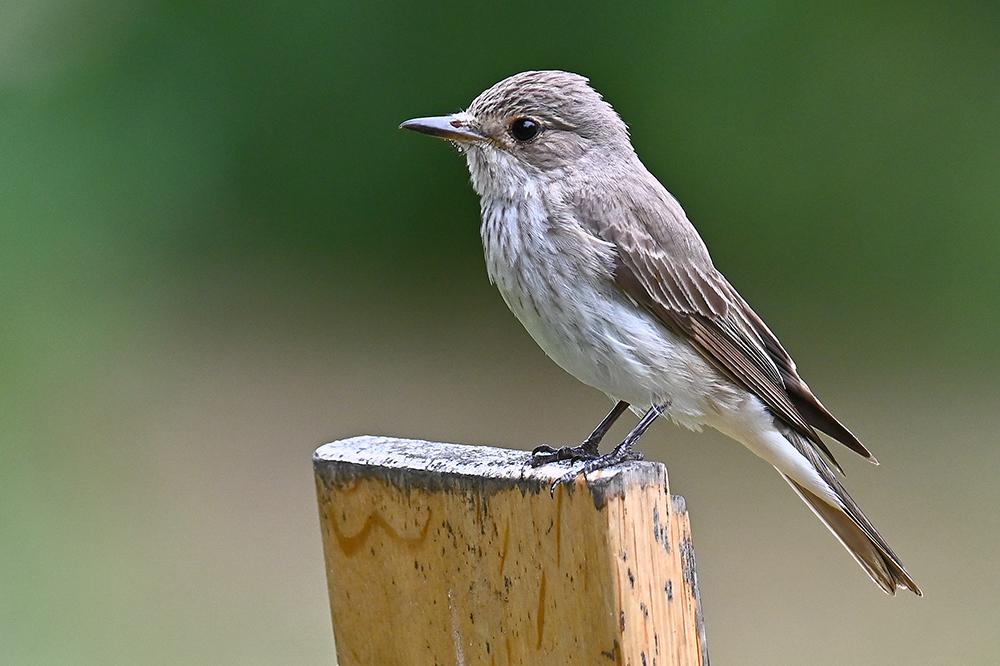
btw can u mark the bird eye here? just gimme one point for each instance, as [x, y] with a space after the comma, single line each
[524, 129]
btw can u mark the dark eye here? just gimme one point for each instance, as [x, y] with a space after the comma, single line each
[524, 129]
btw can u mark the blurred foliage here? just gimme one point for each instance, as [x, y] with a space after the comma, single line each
[841, 160]
[178, 177]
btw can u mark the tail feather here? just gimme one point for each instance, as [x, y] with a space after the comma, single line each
[860, 538]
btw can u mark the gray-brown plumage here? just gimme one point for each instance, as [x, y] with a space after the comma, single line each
[603, 268]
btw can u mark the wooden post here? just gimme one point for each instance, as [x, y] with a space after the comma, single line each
[442, 554]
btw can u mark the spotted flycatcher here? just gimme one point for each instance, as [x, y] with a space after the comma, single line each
[602, 267]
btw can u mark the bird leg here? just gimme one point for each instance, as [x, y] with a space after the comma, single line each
[587, 450]
[620, 453]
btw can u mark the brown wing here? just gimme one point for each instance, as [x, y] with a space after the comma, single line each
[650, 234]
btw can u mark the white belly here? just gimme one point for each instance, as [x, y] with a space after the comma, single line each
[569, 303]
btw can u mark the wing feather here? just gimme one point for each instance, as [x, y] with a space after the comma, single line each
[694, 300]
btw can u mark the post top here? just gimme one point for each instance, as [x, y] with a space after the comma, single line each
[410, 464]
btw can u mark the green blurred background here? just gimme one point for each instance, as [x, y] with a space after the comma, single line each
[217, 252]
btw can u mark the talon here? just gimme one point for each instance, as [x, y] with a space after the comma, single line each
[542, 459]
[544, 454]
[568, 477]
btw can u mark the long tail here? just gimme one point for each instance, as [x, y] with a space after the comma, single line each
[859, 537]
[848, 523]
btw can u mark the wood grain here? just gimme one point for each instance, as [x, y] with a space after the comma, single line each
[441, 554]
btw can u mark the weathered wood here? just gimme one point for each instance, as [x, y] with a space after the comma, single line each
[441, 554]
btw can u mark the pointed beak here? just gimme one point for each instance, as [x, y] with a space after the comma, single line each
[453, 128]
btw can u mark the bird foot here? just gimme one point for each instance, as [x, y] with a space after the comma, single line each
[619, 455]
[544, 454]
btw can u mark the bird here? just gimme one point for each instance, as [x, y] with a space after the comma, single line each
[603, 268]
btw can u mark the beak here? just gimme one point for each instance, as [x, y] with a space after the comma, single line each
[453, 128]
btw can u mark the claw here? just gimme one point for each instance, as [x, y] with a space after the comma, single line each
[619, 455]
[565, 478]
[588, 450]
[545, 454]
